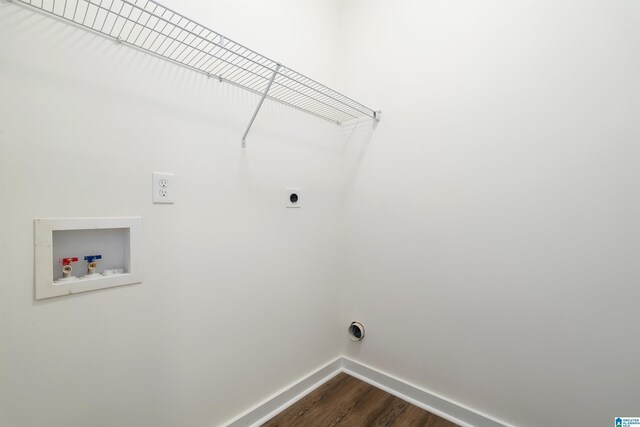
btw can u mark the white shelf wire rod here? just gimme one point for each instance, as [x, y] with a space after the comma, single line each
[156, 29]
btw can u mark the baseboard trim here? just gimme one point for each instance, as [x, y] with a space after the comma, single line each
[432, 402]
[425, 399]
[278, 402]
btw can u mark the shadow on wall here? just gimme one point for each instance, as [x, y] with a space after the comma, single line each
[197, 95]
[355, 138]
[121, 67]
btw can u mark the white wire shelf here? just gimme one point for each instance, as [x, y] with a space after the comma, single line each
[153, 28]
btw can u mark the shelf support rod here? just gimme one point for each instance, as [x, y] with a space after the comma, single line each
[255, 113]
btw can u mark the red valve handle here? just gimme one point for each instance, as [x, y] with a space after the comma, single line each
[67, 261]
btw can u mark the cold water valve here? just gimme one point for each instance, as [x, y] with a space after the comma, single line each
[91, 266]
[67, 269]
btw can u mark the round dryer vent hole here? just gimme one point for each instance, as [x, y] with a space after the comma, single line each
[356, 331]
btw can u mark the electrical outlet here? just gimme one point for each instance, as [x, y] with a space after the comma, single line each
[294, 198]
[163, 187]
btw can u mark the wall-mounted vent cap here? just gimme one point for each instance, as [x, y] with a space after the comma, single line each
[356, 331]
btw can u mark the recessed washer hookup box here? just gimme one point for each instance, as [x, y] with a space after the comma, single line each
[74, 255]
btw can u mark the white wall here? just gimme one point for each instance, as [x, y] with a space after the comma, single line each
[492, 231]
[238, 298]
[488, 238]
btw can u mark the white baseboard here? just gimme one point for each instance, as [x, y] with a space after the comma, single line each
[432, 402]
[275, 404]
[438, 405]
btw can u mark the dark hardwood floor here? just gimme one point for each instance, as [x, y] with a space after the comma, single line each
[347, 401]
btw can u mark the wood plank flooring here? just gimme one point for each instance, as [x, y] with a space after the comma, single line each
[346, 401]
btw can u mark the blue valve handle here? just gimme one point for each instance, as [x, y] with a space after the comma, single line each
[91, 258]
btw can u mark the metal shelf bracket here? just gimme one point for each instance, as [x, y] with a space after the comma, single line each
[264, 95]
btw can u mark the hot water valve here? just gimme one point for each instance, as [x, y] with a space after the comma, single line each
[67, 269]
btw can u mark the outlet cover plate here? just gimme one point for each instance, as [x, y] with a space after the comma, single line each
[163, 188]
[294, 198]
